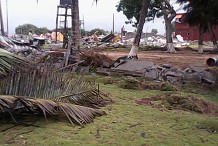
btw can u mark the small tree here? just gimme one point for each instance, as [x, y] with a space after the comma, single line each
[25, 28]
[131, 9]
[41, 30]
[83, 32]
[98, 31]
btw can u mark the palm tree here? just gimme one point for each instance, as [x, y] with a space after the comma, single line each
[75, 30]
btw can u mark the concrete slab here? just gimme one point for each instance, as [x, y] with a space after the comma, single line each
[134, 65]
[208, 77]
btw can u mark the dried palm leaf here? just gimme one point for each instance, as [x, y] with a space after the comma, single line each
[76, 114]
[50, 93]
[56, 86]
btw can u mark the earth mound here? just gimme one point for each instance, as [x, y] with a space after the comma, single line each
[173, 101]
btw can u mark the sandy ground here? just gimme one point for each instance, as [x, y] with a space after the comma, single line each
[182, 59]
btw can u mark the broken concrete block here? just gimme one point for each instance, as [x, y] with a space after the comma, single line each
[173, 74]
[134, 65]
[153, 74]
[174, 79]
[168, 66]
[198, 69]
[188, 70]
[119, 61]
[180, 71]
[207, 77]
[102, 71]
[193, 77]
[106, 64]
[157, 67]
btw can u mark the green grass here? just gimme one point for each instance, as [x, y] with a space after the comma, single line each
[194, 46]
[116, 49]
[126, 124]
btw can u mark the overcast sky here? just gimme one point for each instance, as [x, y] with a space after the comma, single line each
[44, 15]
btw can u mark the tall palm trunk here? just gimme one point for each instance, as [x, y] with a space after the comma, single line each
[200, 41]
[169, 15]
[75, 30]
[134, 50]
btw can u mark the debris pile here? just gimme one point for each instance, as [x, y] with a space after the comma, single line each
[21, 47]
[106, 65]
[96, 59]
[180, 102]
[115, 40]
[162, 72]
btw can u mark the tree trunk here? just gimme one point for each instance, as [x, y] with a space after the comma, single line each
[134, 50]
[169, 40]
[169, 15]
[214, 40]
[75, 31]
[200, 41]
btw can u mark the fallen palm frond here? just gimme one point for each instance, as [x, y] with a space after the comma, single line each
[76, 114]
[52, 85]
[50, 92]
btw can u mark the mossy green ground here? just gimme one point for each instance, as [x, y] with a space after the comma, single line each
[126, 124]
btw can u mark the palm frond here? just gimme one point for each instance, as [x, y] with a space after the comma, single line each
[50, 93]
[76, 114]
[56, 86]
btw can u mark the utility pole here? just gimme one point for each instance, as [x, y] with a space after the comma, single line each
[84, 25]
[113, 22]
[7, 15]
[1, 20]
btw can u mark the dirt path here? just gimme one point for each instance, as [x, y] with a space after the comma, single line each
[183, 58]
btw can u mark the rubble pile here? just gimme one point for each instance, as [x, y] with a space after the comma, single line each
[96, 59]
[20, 47]
[24, 46]
[115, 40]
[106, 65]
[180, 102]
[163, 72]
